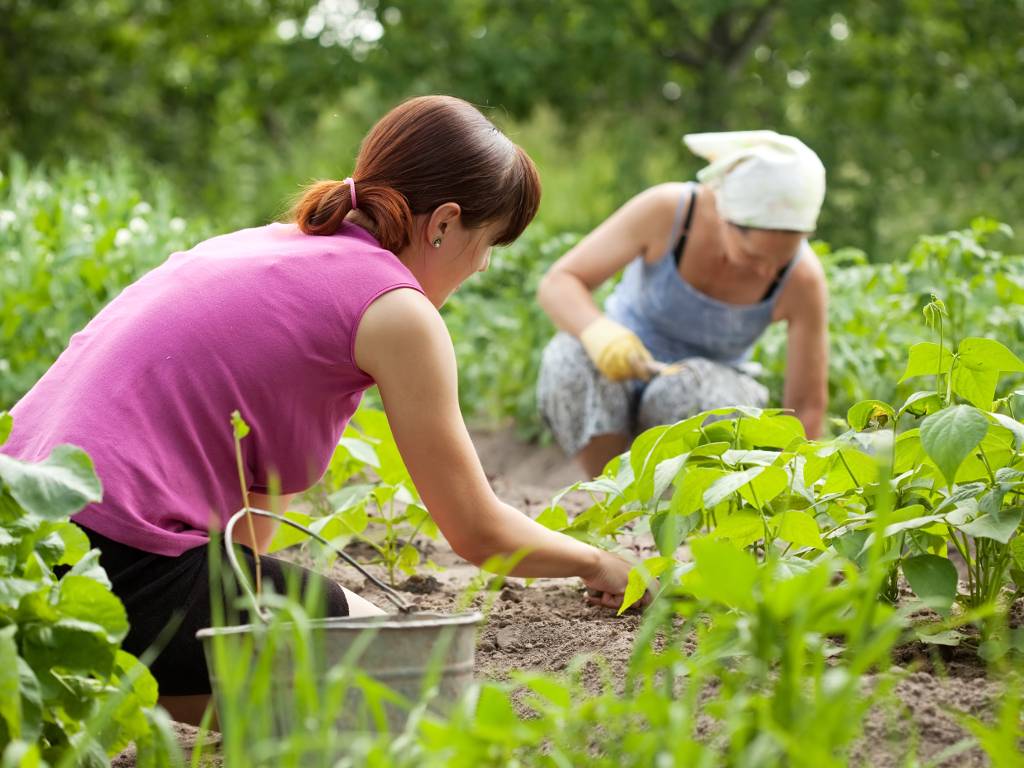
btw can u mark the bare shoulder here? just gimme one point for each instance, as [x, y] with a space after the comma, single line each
[663, 198]
[806, 291]
[657, 207]
[399, 325]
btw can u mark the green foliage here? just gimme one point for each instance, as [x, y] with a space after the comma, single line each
[873, 315]
[68, 694]
[738, 663]
[69, 242]
[367, 495]
[500, 332]
[751, 479]
[911, 107]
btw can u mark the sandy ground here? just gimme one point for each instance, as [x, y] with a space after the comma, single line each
[542, 625]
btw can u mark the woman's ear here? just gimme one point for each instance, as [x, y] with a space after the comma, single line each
[443, 215]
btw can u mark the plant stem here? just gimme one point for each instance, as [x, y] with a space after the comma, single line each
[848, 470]
[248, 515]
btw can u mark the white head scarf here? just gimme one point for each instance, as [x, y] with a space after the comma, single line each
[762, 179]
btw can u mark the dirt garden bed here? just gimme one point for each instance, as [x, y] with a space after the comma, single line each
[544, 624]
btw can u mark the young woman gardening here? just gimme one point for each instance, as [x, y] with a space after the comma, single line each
[710, 266]
[289, 324]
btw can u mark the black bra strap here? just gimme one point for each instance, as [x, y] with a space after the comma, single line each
[678, 252]
[778, 279]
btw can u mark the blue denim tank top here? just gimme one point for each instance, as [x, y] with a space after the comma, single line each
[676, 321]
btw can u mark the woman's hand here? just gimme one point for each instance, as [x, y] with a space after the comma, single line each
[616, 351]
[607, 585]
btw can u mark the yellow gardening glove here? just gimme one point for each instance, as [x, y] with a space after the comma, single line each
[616, 351]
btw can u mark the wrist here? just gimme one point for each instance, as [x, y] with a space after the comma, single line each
[591, 564]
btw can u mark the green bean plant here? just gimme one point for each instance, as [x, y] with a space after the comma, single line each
[739, 662]
[873, 306]
[69, 696]
[750, 477]
[70, 239]
[367, 495]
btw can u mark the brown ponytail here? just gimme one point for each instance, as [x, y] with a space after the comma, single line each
[425, 152]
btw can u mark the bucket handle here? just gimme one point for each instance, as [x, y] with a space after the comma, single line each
[396, 599]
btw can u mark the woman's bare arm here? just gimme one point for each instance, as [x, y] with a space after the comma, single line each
[403, 344]
[641, 227]
[806, 312]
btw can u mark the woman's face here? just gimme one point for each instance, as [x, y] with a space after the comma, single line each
[760, 252]
[463, 251]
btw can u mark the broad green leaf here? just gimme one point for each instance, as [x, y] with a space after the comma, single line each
[950, 435]
[1017, 551]
[722, 572]
[58, 486]
[921, 404]
[408, 558]
[654, 446]
[850, 469]
[670, 528]
[926, 359]
[741, 528]
[555, 518]
[6, 422]
[988, 354]
[765, 487]
[709, 449]
[361, 451]
[88, 600]
[10, 682]
[285, 536]
[798, 528]
[1000, 524]
[721, 489]
[350, 496]
[76, 543]
[641, 576]
[771, 431]
[933, 579]
[870, 413]
[690, 488]
[89, 567]
[354, 519]
[1014, 426]
[948, 637]
[976, 386]
[664, 473]
[735, 458]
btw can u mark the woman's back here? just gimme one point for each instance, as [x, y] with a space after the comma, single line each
[261, 320]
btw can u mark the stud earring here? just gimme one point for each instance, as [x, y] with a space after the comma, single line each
[437, 242]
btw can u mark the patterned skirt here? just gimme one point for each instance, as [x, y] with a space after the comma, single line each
[578, 403]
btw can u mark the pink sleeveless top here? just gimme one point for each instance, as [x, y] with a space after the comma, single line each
[263, 321]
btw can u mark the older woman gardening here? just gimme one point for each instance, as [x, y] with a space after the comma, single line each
[708, 267]
[289, 324]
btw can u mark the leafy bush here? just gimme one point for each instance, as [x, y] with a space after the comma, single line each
[366, 495]
[68, 694]
[873, 308]
[69, 242]
[750, 477]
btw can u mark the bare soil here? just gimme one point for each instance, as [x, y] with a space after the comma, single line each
[545, 623]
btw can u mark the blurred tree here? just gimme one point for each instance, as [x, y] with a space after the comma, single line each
[916, 106]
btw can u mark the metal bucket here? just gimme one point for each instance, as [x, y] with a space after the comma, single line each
[408, 652]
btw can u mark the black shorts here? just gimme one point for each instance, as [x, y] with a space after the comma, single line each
[156, 589]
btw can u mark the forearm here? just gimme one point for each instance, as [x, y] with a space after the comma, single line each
[567, 301]
[812, 416]
[538, 551]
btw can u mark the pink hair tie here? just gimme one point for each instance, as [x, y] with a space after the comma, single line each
[351, 190]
